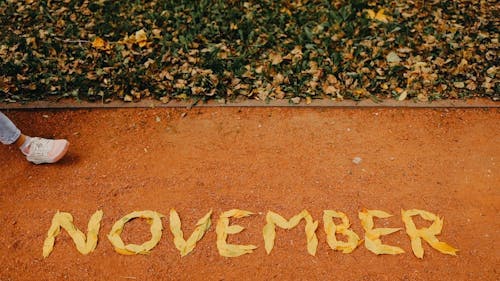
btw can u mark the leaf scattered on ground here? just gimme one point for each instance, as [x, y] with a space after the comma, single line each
[206, 49]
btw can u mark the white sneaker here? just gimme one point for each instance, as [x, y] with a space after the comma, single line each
[40, 150]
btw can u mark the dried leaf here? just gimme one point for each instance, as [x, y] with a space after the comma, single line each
[84, 245]
[141, 38]
[152, 217]
[276, 58]
[223, 230]
[250, 51]
[185, 247]
[403, 96]
[128, 98]
[312, 239]
[422, 97]
[428, 234]
[295, 100]
[331, 229]
[99, 43]
[372, 235]
[234, 229]
[273, 219]
[393, 57]
[380, 15]
[236, 213]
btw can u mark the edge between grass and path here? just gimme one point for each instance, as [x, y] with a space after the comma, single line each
[320, 103]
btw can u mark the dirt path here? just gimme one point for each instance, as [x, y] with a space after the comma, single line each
[285, 160]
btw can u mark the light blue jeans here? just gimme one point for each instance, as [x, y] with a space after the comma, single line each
[9, 133]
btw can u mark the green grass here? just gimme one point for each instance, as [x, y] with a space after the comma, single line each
[225, 49]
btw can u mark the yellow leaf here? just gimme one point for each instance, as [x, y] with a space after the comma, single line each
[152, 217]
[428, 234]
[331, 229]
[308, 100]
[223, 230]
[385, 231]
[371, 14]
[65, 220]
[236, 213]
[376, 246]
[128, 40]
[231, 251]
[156, 33]
[259, 69]
[312, 239]
[273, 219]
[234, 229]
[141, 38]
[175, 228]
[379, 214]
[141, 35]
[185, 247]
[99, 43]
[403, 96]
[285, 10]
[372, 236]
[128, 98]
[380, 15]
[295, 220]
[182, 97]
[276, 58]
[361, 92]
[269, 233]
[444, 248]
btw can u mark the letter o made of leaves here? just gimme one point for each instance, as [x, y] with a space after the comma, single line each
[153, 218]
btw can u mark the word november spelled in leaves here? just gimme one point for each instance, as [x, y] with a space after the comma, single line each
[87, 244]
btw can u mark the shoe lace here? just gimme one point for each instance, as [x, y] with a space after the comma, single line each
[39, 147]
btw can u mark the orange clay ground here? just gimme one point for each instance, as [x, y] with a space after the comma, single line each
[257, 159]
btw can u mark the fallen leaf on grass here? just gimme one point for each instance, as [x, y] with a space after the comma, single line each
[380, 15]
[65, 220]
[186, 246]
[403, 96]
[139, 37]
[276, 58]
[372, 235]
[173, 38]
[393, 57]
[308, 100]
[99, 43]
[153, 218]
[428, 234]
[295, 100]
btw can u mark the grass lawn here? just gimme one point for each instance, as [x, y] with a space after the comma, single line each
[298, 50]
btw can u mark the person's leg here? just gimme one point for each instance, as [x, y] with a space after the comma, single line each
[9, 133]
[37, 150]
